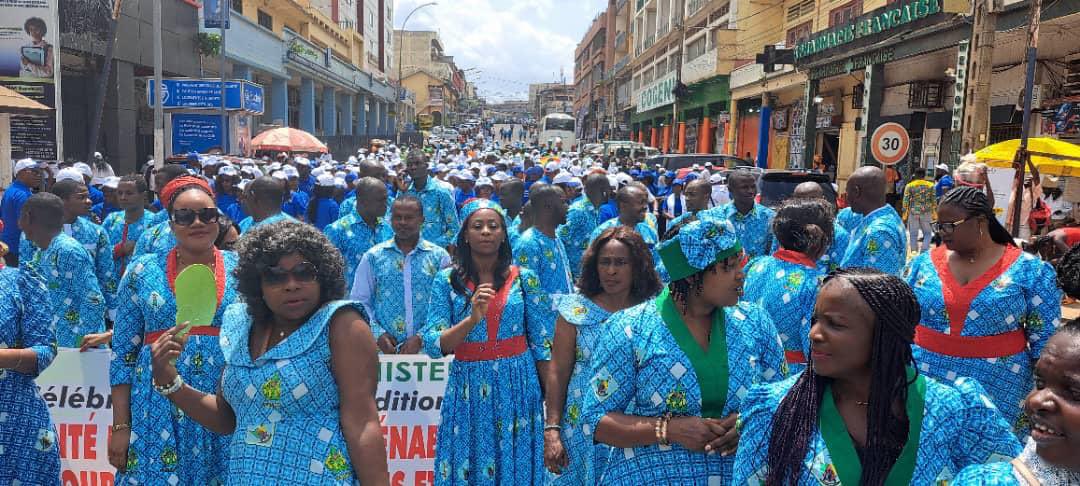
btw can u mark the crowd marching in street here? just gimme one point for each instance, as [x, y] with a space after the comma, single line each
[609, 322]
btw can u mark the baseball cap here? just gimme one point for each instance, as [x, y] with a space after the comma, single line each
[26, 164]
[70, 174]
[325, 180]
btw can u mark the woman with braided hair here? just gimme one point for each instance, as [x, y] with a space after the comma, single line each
[988, 308]
[785, 283]
[152, 442]
[861, 414]
[669, 376]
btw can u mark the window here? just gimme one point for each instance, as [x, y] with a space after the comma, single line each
[845, 13]
[799, 33]
[266, 20]
[696, 48]
[803, 8]
[238, 6]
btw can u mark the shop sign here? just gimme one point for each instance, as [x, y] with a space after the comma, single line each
[853, 63]
[658, 94]
[881, 20]
[723, 117]
[825, 115]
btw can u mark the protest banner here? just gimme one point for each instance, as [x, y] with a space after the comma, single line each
[409, 399]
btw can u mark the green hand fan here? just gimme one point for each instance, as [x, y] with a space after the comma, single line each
[196, 297]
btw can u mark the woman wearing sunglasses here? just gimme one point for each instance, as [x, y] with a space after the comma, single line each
[297, 396]
[151, 443]
[495, 320]
[988, 308]
[668, 376]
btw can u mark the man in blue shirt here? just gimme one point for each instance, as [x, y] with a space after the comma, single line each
[944, 180]
[440, 212]
[466, 184]
[879, 240]
[752, 221]
[27, 178]
[582, 218]
[364, 228]
[539, 249]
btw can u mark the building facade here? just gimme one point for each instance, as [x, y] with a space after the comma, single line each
[436, 79]
[545, 98]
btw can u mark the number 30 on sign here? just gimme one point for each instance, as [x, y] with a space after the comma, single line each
[890, 143]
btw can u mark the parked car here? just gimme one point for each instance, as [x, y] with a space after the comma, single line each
[674, 162]
[776, 186]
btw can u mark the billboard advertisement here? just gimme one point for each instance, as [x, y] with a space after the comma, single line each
[29, 65]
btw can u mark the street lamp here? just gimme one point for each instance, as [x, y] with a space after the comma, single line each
[401, 82]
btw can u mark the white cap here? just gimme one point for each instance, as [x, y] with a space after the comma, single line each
[466, 175]
[243, 184]
[500, 177]
[563, 178]
[25, 164]
[70, 174]
[716, 179]
[318, 171]
[575, 182]
[97, 155]
[484, 181]
[943, 167]
[112, 182]
[227, 170]
[279, 175]
[340, 182]
[290, 171]
[553, 165]
[325, 180]
[84, 169]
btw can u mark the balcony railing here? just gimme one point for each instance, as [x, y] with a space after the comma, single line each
[662, 29]
[695, 6]
[649, 41]
[620, 38]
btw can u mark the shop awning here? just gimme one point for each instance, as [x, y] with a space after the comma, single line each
[16, 104]
[1050, 155]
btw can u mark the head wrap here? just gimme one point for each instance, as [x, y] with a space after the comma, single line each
[476, 204]
[170, 191]
[697, 246]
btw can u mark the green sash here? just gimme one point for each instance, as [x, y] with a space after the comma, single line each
[711, 367]
[842, 449]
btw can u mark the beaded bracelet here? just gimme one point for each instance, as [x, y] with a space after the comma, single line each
[663, 429]
[171, 388]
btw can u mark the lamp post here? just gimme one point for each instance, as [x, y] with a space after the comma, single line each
[401, 82]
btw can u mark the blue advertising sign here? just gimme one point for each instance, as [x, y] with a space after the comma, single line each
[212, 14]
[206, 94]
[195, 133]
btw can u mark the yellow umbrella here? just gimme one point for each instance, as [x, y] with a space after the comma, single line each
[1050, 155]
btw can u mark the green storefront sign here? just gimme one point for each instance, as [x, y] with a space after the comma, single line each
[881, 20]
[657, 94]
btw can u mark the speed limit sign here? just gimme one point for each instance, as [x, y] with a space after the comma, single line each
[890, 143]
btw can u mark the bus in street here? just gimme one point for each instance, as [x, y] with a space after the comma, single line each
[557, 131]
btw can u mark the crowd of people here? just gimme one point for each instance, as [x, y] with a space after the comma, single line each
[609, 322]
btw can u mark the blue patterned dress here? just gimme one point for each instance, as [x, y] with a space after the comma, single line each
[288, 422]
[960, 427]
[76, 304]
[158, 238]
[166, 445]
[114, 226]
[1004, 474]
[787, 291]
[639, 368]
[353, 237]
[546, 256]
[440, 213]
[248, 223]
[878, 241]
[28, 445]
[848, 219]
[831, 259]
[492, 414]
[397, 287]
[581, 219]
[587, 458]
[1019, 294]
[754, 229]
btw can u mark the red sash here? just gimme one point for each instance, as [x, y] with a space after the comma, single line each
[958, 299]
[794, 357]
[493, 348]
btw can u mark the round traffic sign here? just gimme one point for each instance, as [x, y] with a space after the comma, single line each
[890, 143]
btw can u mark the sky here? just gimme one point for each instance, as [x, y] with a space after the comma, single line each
[511, 42]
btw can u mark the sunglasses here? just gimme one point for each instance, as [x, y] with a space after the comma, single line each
[303, 272]
[186, 217]
[946, 228]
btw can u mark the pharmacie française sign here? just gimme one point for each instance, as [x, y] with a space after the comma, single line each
[882, 20]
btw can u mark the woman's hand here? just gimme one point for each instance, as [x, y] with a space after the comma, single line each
[118, 449]
[164, 352]
[91, 341]
[727, 434]
[480, 300]
[555, 459]
[387, 344]
[693, 433]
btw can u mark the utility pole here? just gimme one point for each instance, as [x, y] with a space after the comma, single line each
[1023, 157]
[224, 6]
[980, 68]
[159, 116]
[103, 81]
[678, 73]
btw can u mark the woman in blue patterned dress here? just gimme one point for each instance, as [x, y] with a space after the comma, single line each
[785, 283]
[27, 347]
[860, 413]
[669, 375]
[617, 272]
[297, 396]
[988, 308]
[496, 321]
[152, 443]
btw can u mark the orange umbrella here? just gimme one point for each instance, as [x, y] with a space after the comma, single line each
[287, 140]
